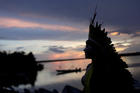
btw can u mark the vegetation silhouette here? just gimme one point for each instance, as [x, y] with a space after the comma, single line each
[107, 73]
[18, 68]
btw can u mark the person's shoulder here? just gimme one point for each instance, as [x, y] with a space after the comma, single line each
[89, 66]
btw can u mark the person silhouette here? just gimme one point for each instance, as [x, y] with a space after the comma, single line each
[107, 72]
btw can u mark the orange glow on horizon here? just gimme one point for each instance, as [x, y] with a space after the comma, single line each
[69, 64]
[67, 55]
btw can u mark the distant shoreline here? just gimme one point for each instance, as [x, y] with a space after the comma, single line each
[56, 60]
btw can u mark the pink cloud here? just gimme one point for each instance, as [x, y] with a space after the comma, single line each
[13, 22]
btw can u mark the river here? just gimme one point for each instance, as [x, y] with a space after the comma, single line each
[49, 79]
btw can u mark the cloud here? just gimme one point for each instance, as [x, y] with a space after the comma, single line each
[57, 49]
[79, 48]
[66, 16]
[64, 55]
[133, 48]
[114, 33]
[138, 33]
[124, 42]
[61, 52]
[61, 49]
[134, 45]
[121, 37]
[17, 23]
[17, 29]
[134, 65]
[121, 46]
[68, 20]
[111, 12]
[40, 34]
[47, 8]
[1, 45]
[19, 48]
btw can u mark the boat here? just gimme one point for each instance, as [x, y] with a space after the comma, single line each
[59, 72]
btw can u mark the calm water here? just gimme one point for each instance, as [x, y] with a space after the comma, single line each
[49, 80]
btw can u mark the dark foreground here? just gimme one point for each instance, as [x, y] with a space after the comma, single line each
[67, 89]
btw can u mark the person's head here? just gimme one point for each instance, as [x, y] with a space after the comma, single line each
[92, 49]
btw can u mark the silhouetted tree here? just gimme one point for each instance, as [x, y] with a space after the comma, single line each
[109, 73]
[18, 68]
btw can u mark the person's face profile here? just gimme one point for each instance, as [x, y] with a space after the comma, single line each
[89, 51]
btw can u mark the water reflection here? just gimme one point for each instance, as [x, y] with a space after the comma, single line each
[134, 66]
[49, 80]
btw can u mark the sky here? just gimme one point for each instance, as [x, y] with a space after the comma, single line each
[55, 29]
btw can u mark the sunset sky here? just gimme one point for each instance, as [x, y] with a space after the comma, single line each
[54, 29]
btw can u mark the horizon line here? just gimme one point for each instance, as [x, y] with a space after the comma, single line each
[71, 59]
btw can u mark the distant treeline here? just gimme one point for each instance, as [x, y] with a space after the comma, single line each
[18, 68]
[130, 54]
[59, 60]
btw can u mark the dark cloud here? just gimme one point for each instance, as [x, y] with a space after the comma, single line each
[123, 14]
[61, 49]
[57, 49]
[40, 34]
[129, 29]
[79, 48]
[134, 65]
[1, 37]
[115, 12]
[61, 9]
[19, 48]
